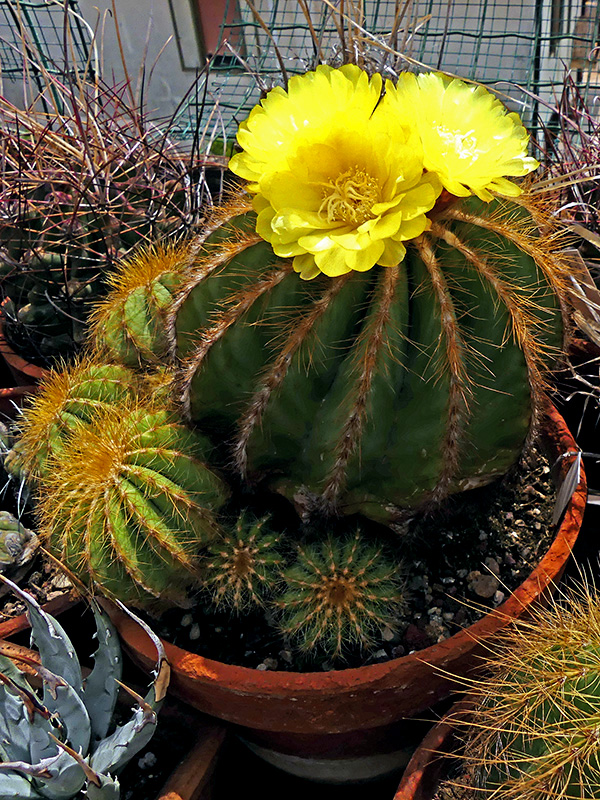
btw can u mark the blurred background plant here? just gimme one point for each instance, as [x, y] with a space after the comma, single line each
[85, 177]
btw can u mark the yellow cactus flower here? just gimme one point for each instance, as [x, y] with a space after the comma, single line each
[469, 139]
[337, 173]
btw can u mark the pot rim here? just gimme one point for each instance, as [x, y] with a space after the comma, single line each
[280, 683]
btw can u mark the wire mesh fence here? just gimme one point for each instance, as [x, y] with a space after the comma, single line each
[522, 49]
[37, 35]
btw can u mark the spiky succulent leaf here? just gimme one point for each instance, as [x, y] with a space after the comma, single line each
[101, 685]
[14, 733]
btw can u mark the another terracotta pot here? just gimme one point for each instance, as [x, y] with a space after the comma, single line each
[354, 724]
[23, 373]
[191, 780]
[13, 625]
[432, 759]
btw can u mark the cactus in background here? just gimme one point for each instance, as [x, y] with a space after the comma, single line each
[370, 388]
[127, 504]
[534, 732]
[244, 565]
[17, 543]
[57, 745]
[128, 326]
[67, 397]
[338, 593]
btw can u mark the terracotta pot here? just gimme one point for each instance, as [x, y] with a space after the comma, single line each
[191, 780]
[13, 625]
[432, 759]
[23, 373]
[354, 723]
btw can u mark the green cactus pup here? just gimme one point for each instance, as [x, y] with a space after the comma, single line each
[367, 335]
[127, 503]
[128, 326]
[243, 565]
[338, 593]
[67, 396]
[534, 732]
[56, 745]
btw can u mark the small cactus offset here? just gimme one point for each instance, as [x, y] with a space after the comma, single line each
[339, 593]
[534, 732]
[67, 397]
[56, 745]
[127, 504]
[128, 326]
[17, 543]
[243, 565]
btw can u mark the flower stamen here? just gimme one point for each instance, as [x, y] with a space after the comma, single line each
[350, 197]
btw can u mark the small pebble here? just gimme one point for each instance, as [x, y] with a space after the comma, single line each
[147, 761]
[187, 620]
[286, 655]
[194, 631]
[493, 565]
[498, 597]
[387, 634]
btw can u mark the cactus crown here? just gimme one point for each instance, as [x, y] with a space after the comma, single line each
[534, 732]
[128, 504]
[340, 593]
[243, 565]
[67, 396]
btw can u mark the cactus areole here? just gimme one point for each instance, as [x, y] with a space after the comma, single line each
[363, 337]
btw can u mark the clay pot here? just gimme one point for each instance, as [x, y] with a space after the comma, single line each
[432, 759]
[13, 625]
[23, 373]
[354, 724]
[191, 780]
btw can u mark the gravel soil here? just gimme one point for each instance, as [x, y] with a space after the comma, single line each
[457, 564]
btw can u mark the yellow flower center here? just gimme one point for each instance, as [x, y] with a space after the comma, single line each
[350, 197]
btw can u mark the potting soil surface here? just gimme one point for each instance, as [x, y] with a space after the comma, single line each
[457, 562]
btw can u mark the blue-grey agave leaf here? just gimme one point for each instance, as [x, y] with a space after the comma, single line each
[14, 721]
[101, 685]
[14, 786]
[99, 786]
[114, 752]
[57, 653]
[68, 706]
[57, 778]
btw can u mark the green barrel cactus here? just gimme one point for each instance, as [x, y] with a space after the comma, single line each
[533, 732]
[379, 390]
[127, 504]
[243, 566]
[128, 325]
[57, 744]
[340, 592]
[67, 397]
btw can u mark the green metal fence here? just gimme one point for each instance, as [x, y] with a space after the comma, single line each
[501, 43]
[42, 35]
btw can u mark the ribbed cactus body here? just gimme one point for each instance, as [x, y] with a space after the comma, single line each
[67, 398]
[381, 389]
[128, 503]
[533, 731]
[129, 325]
